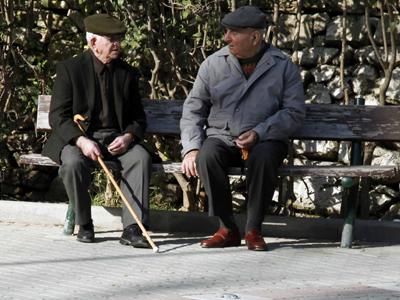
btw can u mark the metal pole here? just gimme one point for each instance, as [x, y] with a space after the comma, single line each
[352, 199]
[69, 223]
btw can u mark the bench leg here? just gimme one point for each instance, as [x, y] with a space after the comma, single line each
[349, 217]
[69, 225]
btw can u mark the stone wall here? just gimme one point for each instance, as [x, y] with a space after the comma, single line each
[319, 62]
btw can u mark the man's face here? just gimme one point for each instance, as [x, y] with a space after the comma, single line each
[240, 42]
[108, 47]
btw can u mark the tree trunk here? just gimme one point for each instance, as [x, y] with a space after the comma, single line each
[344, 49]
[295, 57]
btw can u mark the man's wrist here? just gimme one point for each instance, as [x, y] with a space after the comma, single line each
[257, 137]
[78, 140]
[131, 135]
[190, 151]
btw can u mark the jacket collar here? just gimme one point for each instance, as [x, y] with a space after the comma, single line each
[266, 62]
[272, 50]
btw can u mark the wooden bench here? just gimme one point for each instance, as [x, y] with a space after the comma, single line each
[323, 122]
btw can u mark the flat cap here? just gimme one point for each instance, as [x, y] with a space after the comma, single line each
[245, 17]
[103, 24]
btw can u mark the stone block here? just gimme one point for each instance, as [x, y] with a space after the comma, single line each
[323, 73]
[321, 195]
[318, 94]
[356, 33]
[321, 22]
[378, 36]
[378, 201]
[321, 150]
[311, 57]
[393, 91]
[287, 30]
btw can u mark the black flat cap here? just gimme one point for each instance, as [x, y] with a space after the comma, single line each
[103, 24]
[245, 17]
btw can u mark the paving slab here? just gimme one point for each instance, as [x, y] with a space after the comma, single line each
[37, 262]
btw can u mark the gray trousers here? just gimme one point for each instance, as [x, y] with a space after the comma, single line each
[212, 163]
[135, 167]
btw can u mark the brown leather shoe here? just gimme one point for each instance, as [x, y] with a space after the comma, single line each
[223, 239]
[255, 241]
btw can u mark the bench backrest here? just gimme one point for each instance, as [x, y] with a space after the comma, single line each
[323, 121]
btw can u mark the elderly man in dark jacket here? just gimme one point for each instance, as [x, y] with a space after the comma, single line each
[97, 84]
[247, 98]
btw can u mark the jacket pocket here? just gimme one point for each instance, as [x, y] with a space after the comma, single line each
[218, 123]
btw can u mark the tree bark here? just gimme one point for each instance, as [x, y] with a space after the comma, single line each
[344, 49]
[295, 57]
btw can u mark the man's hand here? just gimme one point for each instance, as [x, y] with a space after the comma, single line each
[247, 140]
[189, 164]
[89, 148]
[120, 144]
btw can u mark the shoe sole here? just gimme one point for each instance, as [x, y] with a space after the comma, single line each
[257, 249]
[136, 245]
[85, 240]
[231, 244]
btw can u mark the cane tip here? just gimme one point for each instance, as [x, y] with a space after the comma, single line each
[155, 249]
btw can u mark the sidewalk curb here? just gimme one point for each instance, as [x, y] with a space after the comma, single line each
[173, 221]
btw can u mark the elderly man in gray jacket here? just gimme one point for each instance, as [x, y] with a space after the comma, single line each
[247, 98]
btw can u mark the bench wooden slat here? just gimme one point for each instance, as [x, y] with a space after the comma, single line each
[293, 171]
[323, 121]
[340, 171]
[350, 123]
[42, 123]
[163, 116]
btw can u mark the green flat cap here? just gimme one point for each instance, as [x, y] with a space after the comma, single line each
[245, 17]
[103, 24]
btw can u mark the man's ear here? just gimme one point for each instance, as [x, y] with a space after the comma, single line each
[256, 37]
[93, 42]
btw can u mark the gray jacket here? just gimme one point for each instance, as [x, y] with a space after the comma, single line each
[224, 104]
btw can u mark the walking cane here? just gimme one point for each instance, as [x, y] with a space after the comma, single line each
[78, 118]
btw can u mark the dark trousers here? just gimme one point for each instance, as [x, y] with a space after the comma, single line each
[135, 167]
[212, 163]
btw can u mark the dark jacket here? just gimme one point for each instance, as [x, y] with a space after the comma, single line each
[74, 93]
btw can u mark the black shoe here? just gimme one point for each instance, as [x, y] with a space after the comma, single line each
[132, 236]
[86, 233]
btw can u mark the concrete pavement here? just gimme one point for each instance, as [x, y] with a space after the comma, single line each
[37, 262]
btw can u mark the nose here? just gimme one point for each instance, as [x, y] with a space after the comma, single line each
[227, 37]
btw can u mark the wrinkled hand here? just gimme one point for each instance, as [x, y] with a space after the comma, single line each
[89, 148]
[189, 164]
[120, 144]
[247, 140]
